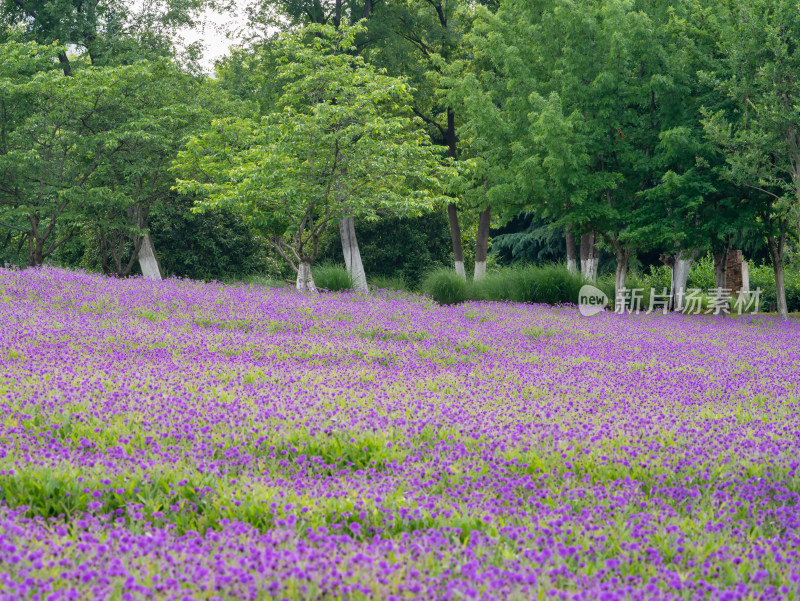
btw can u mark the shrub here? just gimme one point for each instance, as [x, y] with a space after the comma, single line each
[446, 287]
[659, 277]
[496, 286]
[332, 277]
[701, 275]
[389, 283]
[406, 247]
[551, 284]
[763, 276]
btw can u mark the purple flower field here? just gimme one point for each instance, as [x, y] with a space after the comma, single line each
[180, 440]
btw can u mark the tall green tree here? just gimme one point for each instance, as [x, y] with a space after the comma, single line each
[106, 31]
[758, 69]
[88, 154]
[153, 120]
[426, 41]
[422, 40]
[56, 133]
[571, 123]
[344, 144]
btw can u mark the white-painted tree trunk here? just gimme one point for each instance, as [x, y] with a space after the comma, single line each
[455, 235]
[619, 283]
[680, 275]
[776, 254]
[352, 254]
[572, 266]
[305, 280]
[482, 244]
[589, 257]
[589, 269]
[148, 261]
[745, 276]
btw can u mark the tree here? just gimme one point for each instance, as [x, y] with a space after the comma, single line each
[108, 34]
[425, 40]
[153, 120]
[88, 153]
[345, 144]
[758, 68]
[106, 31]
[57, 132]
[422, 40]
[570, 124]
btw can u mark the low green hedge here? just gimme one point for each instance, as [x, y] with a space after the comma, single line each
[550, 284]
[331, 277]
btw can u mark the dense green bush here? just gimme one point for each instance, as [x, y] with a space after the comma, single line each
[260, 280]
[551, 284]
[658, 277]
[388, 283]
[407, 248]
[215, 245]
[446, 287]
[701, 275]
[763, 276]
[331, 277]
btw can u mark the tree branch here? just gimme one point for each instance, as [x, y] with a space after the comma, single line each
[13, 227]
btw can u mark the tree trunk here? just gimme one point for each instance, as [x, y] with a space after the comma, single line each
[35, 255]
[148, 261]
[570, 239]
[589, 257]
[680, 275]
[305, 280]
[776, 253]
[451, 140]
[482, 243]
[619, 279]
[65, 66]
[352, 254]
[455, 235]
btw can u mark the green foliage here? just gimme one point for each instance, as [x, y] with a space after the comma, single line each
[87, 155]
[343, 144]
[701, 275]
[108, 32]
[760, 61]
[658, 277]
[573, 134]
[763, 277]
[445, 286]
[332, 277]
[396, 247]
[215, 245]
[389, 283]
[551, 284]
[529, 239]
[267, 281]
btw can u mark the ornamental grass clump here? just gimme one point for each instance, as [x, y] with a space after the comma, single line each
[332, 277]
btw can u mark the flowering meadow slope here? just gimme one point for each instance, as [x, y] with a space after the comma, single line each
[179, 440]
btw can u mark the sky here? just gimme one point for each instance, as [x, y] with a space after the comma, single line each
[212, 37]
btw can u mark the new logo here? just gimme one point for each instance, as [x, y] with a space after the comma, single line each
[591, 300]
